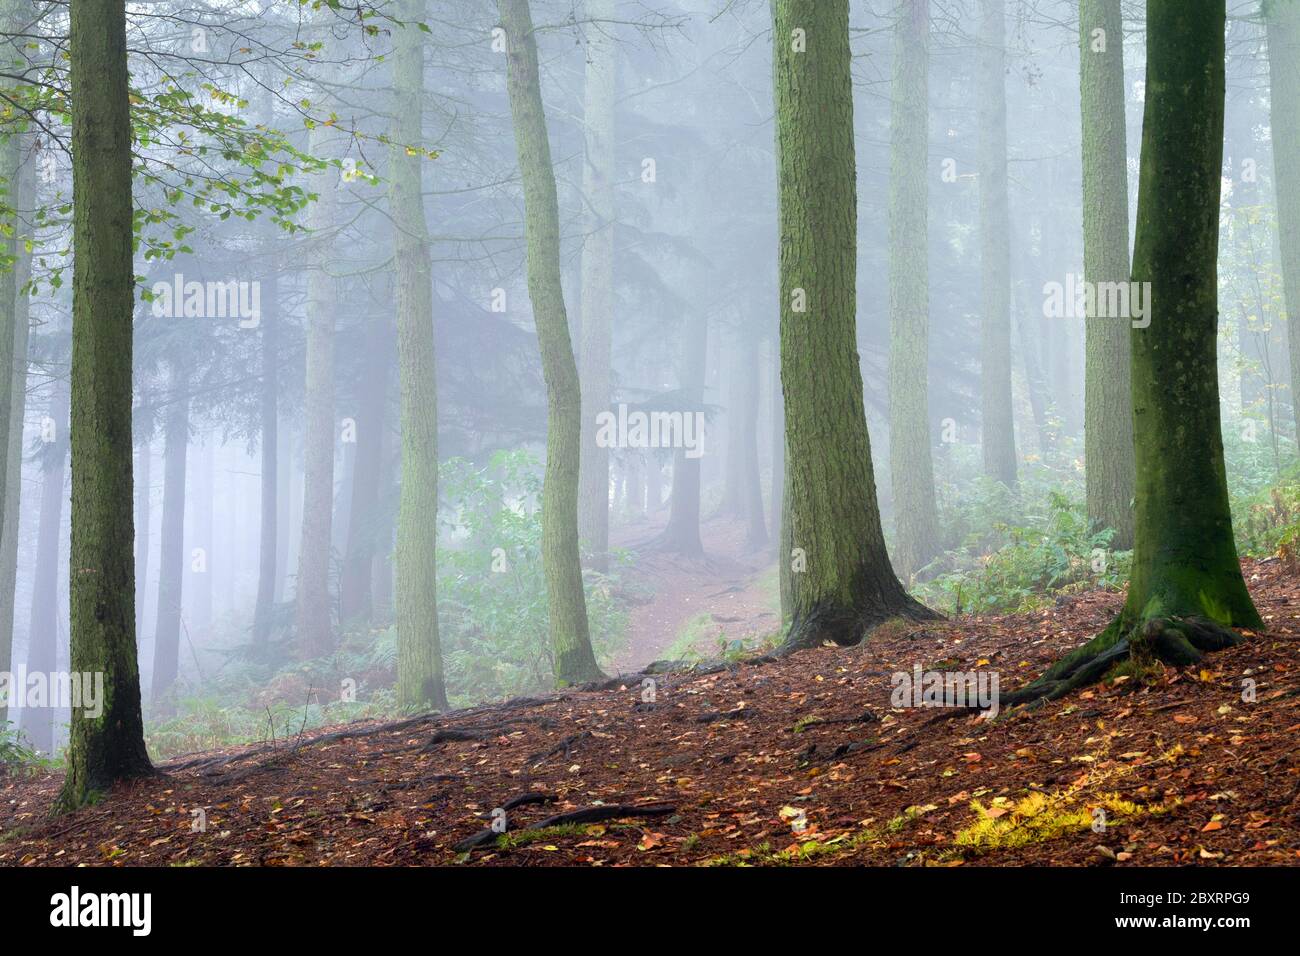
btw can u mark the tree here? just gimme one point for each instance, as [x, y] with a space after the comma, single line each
[997, 421]
[312, 597]
[109, 746]
[910, 463]
[43, 630]
[843, 582]
[21, 189]
[268, 406]
[1108, 414]
[419, 654]
[1282, 21]
[1186, 592]
[597, 304]
[171, 554]
[567, 606]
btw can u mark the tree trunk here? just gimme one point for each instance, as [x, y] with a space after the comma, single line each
[1108, 413]
[997, 428]
[751, 483]
[420, 682]
[1282, 19]
[1186, 591]
[13, 462]
[43, 628]
[354, 579]
[682, 533]
[844, 582]
[314, 635]
[574, 660]
[201, 569]
[597, 278]
[269, 532]
[110, 746]
[143, 476]
[910, 463]
[171, 558]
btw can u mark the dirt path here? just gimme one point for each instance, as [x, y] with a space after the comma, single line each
[695, 606]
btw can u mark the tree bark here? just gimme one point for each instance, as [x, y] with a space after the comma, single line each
[597, 304]
[420, 682]
[109, 747]
[1282, 21]
[171, 555]
[1108, 412]
[1186, 592]
[43, 626]
[844, 583]
[269, 412]
[571, 645]
[911, 466]
[998, 422]
[314, 633]
[21, 179]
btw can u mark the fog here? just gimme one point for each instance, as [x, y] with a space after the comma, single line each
[343, 275]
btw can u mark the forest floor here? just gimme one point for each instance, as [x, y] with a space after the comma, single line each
[801, 761]
[696, 605]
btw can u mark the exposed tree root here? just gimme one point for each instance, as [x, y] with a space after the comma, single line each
[1174, 641]
[614, 811]
[846, 628]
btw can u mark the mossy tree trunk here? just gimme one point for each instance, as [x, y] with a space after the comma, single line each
[910, 463]
[843, 583]
[597, 276]
[998, 437]
[567, 605]
[420, 681]
[109, 747]
[1186, 593]
[1108, 411]
[1282, 21]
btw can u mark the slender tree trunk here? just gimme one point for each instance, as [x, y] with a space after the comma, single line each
[682, 533]
[354, 580]
[43, 628]
[751, 484]
[1108, 412]
[998, 422]
[314, 635]
[109, 746]
[1282, 20]
[13, 463]
[202, 568]
[143, 477]
[420, 681]
[843, 582]
[269, 533]
[171, 558]
[571, 644]
[597, 304]
[910, 464]
[1186, 591]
